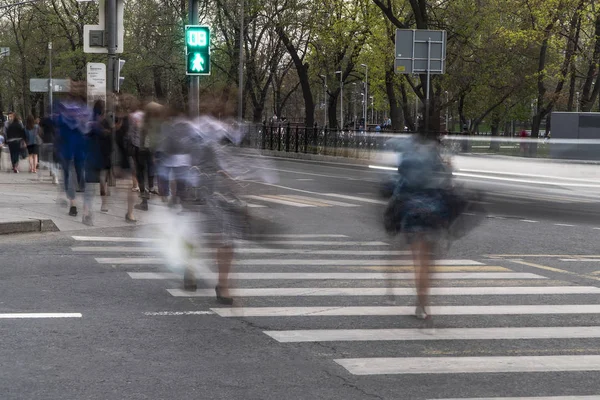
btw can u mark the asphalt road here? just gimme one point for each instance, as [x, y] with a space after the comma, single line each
[116, 324]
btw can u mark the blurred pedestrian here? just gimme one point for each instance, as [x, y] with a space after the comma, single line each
[148, 135]
[72, 123]
[97, 162]
[15, 137]
[122, 162]
[421, 208]
[48, 149]
[33, 140]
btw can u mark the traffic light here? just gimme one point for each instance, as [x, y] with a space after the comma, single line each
[119, 79]
[197, 49]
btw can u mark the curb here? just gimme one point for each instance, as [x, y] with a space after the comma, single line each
[28, 226]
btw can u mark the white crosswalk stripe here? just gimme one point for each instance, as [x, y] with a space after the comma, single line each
[337, 272]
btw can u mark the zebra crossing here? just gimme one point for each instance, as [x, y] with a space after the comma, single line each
[339, 292]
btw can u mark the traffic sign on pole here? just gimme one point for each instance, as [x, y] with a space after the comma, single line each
[41, 85]
[197, 49]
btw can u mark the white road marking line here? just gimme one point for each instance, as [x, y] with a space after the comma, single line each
[330, 202]
[277, 201]
[250, 262]
[152, 240]
[305, 179]
[580, 259]
[263, 251]
[541, 309]
[362, 199]
[594, 397]
[250, 205]
[175, 313]
[344, 275]
[497, 178]
[477, 171]
[464, 365]
[39, 315]
[370, 335]
[530, 221]
[365, 291]
[567, 225]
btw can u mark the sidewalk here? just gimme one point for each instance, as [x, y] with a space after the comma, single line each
[32, 203]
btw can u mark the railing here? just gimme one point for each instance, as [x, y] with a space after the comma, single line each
[360, 144]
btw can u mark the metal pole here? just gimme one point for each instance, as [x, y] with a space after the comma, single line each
[194, 82]
[428, 83]
[366, 93]
[111, 33]
[325, 100]
[50, 99]
[577, 105]
[241, 66]
[341, 101]
[447, 107]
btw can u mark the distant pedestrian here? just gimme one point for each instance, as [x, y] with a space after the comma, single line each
[33, 140]
[48, 149]
[15, 137]
[122, 162]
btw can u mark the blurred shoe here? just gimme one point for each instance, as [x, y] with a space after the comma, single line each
[222, 299]
[154, 190]
[104, 208]
[73, 211]
[420, 313]
[142, 206]
[55, 180]
[87, 220]
[135, 189]
[189, 280]
[129, 219]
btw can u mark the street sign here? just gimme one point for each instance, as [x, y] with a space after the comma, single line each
[41, 85]
[197, 49]
[419, 51]
[94, 35]
[96, 82]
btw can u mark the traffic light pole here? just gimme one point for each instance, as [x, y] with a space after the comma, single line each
[194, 81]
[111, 36]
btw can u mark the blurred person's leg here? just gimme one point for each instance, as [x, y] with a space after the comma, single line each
[421, 250]
[104, 174]
[69, 186]
[15, 150]
[88, 198]
[224, 261]
[141, 167]
[78, 161]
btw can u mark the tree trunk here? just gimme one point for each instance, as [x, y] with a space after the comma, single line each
[158, 89]
[395, 111]
[302, 70]
[495, 126]
[332, 114]
[408, 120]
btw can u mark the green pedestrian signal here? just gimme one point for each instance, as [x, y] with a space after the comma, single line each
[197, 49]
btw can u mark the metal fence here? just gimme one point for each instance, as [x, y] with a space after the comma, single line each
[330, 142]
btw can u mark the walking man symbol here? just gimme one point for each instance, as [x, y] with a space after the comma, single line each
[198, 63]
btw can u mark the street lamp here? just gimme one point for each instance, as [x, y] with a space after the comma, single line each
[325, 100]
[50, 99]
[341, 99]
[366, 92]
[447, 107]
[372, 110]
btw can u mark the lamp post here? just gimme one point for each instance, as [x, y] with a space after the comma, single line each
[50, 99]
[372, 110]
[341, 99]
[325, 100]
[447, 107]
[365, 105]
